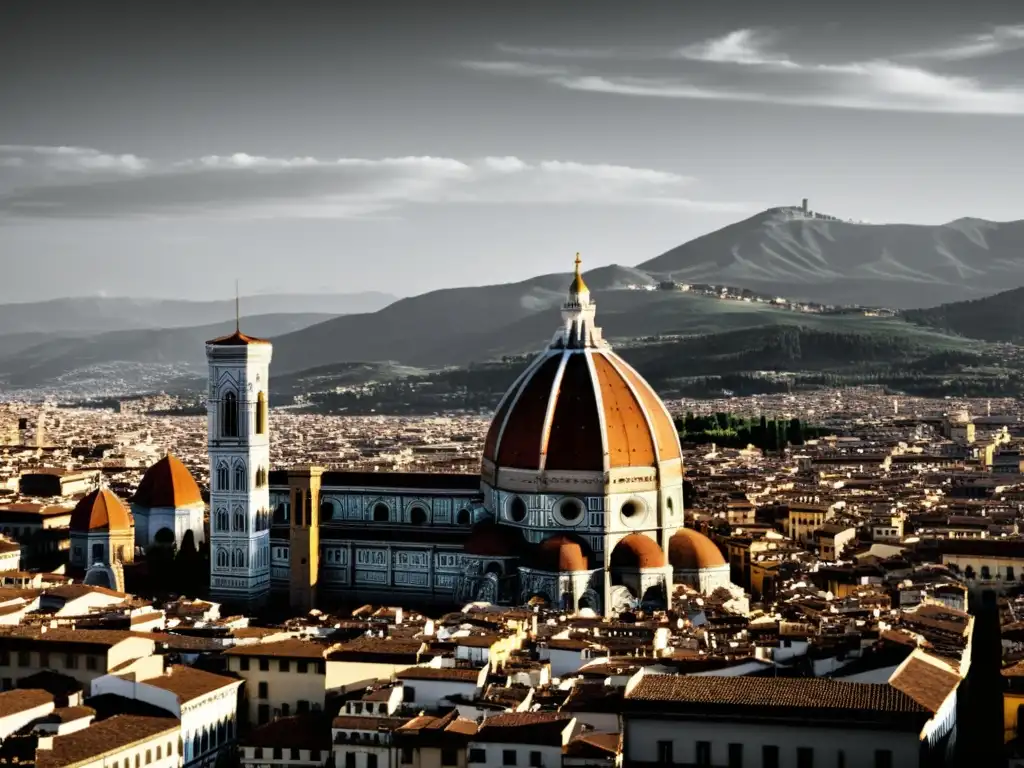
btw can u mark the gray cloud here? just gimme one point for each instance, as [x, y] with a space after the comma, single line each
[998, 40]
[244, 185]
[742, 66]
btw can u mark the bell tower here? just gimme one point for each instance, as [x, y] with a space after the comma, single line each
[304, 535]
[238, 439]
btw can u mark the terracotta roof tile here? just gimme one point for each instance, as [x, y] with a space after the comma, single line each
[189, 683]
[105, 738]
[12, 702]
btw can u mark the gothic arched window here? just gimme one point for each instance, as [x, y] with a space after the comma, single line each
[239, 519]
[222, 558]
[240, 557]
[223, 476]
[223, 522]
[261, 414]
[240, 479]
[229, 415]
[381, 513]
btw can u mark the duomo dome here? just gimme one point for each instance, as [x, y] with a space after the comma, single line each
[582, 453]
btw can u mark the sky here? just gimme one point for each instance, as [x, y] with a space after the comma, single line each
[169, 149]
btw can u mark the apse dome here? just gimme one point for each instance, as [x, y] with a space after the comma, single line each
[488, 539]
[99, 511]
[560, 553]
[693, 551]
[168, 483]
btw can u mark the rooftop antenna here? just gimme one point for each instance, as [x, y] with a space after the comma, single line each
[237, 313]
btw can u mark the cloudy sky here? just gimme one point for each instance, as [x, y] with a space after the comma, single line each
[166, 149]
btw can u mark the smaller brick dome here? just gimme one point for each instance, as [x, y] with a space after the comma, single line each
[691, 550]
[488, 539]
[560, 553]
[100, 511]
[637, 551]
[168, 483]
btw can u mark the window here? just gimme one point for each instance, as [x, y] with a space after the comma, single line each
[406, 755]
[665, 752]
[258, 753]
[769, 756]
[508, 757]
[703, 752]
[408, 694]
[477, 755]
[302, 706]
[159, 751]
[277, 753]
[91, 663]
[222, 562]
[1009, 573]
[371, 761]
[418, 516]
[149, 756]
[241, 481]
[138, 761]
[463, 517]
[285, 710]
[350, 760]
[243, 664]
[883, 758]
[261, 414]
[985, 572]
[44, 659]
[97, 553]
[449, 756]
[302, 667]
[295, 753]
[380, 513]
[263, 693]
[263, 714]
[283, 665]
[223, 477]
[536, 760]
[24, 659]
[229, 416]
[517, 510]
[71, 661]
[735, 756]
[804, 757]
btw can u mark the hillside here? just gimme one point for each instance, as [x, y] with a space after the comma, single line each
[38, 364]
[775, 253]
[892, 265]
[97, 315]
[994, 318]
[749, 361]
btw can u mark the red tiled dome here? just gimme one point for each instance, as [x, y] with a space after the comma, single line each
[560, 552]
[168, 483]
[573, 407]
[488, 539]
[691, 550]
[637, 551]
[101, 510]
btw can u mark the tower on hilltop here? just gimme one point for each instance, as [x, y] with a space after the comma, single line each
[238, 438]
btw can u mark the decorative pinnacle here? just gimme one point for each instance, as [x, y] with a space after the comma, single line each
[578, 286]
